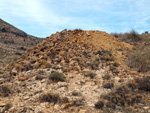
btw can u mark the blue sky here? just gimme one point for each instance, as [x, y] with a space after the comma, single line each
[44, 17]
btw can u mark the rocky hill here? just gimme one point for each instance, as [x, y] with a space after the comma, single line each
[13, 42]
[74, 71]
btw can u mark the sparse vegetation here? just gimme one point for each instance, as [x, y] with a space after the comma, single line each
[95, 65]
[39, 77]
[76, 93]
[22, 48]
[56, 76]
[8, 106]
[49, 97]
[144, 83]
[17, 53]
[139, 59]
[133, 36]
[108, 85]
[130, 37]
[107, 76]
[99, 104]
[78, 102]
[125, 95]
[91, 74]
[107, 56]
[9, 42]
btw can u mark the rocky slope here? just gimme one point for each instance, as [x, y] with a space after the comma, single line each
[13, 42]
[74, 71]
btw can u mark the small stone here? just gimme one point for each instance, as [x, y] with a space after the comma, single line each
[1, 81]
[22, 78]
[65, 106]
[88, 34]
[78, 68]
[146, 107]
[43, 66]
[1, 71]
[14, 70]
[56, 106]
[43, 81]
[26, 97]
[82, 111]
[38, 110]
[70, 68]
[2, 104]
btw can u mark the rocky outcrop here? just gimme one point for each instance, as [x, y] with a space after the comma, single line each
[73, 50]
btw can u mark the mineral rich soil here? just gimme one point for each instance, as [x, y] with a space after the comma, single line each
[74, 71]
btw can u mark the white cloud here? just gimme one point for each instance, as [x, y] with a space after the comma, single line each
[56, 15]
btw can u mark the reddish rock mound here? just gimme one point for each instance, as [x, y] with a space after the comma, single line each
[73, 50]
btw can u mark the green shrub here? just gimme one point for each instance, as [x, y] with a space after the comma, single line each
[108, 85]
[107, 55]
[7, 106]
[122, 96]
[78, 102]
[75, 93]
[56, 76]
[99, 104]
[107, 76]
[95, 65]
[22, 48]
[130, 37]
[4, 91]
[144, 83]
[133, 36]
[115, 35]
[17, 53]
[39, 77]
[49, 97]
[131, 93]
[91, 74]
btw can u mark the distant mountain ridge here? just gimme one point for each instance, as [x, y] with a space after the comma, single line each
[13, 42]
[6, 27]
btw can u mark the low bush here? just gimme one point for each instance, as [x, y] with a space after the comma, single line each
[129, 94]
[95, 65]
[133, 36]
[39, 77]
[107, 56]
[144, 83]
[107, 76]
[99, 104]
[56, 76]
[78, 101]
[17, 53]
[91, 74]
[4, 91]
[76, 93]
[49, 97]
[129, 37]
[139, 59]
[108, 85]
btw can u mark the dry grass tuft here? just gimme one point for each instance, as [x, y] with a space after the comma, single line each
[4, 91]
